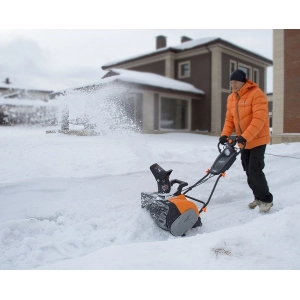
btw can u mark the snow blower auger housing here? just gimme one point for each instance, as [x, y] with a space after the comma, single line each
[174, 212]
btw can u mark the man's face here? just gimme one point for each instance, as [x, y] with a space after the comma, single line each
[236, 85]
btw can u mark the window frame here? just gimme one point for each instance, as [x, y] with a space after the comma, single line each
[244, 67]
[250, 71]
[180, 75]
[188, 113]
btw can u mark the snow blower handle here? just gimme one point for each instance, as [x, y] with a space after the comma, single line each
[182, 184]
[231, 141]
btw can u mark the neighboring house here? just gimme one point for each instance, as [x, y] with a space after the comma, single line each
[20, 105]
[206, 64]
[140, 95]
[286, 82]
[9, 89]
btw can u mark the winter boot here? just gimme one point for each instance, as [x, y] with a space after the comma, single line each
[265, 206]
[254, 203]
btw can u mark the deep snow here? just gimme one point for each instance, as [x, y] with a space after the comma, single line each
[66, 200]
[72, 202]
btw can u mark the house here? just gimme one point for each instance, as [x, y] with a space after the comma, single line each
[286, 82]
[138, 94]
[23, 105]
[206, 64]
[10, 90]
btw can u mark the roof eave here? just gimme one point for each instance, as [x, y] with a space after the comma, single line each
[169, 49]
[133, 84]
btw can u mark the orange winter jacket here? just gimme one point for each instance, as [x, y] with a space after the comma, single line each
[247, 113]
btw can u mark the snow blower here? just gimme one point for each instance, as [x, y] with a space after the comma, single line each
[174, 212]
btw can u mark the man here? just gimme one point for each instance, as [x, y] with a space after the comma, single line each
[247, 113]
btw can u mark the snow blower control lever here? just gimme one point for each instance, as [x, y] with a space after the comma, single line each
[226, 158]
[174, 212]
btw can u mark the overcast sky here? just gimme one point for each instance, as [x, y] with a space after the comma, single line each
[63, 56]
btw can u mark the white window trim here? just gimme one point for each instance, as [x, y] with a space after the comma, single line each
[179, 69]
[257, 72]
[232, 62]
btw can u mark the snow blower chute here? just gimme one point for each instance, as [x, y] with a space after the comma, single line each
[174, 212]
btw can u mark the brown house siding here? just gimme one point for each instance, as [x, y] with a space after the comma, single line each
[291, 81]
[197, 113]
[156, 68]
[200, 78]
[261, 83]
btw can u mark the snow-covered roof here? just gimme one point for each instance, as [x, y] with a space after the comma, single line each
[22, 86]
[182, 46]
[143, 78]
[25, 102]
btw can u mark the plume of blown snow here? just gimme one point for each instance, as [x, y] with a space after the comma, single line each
[105, 110]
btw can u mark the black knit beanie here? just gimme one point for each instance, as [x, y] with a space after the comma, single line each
[238, 75]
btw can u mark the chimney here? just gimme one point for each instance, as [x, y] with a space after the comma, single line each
[161, 41]
[185, 39]
[7, 81]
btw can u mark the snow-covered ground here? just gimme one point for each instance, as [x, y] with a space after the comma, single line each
[72, 202]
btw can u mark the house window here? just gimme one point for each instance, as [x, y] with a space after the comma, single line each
[174, 113]
[184, 69]
[255, 76]
[246, 69]
[232, 66]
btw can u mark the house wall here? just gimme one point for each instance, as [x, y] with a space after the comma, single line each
[147, 108]
[286, 93]
[196, 113]
[201, 79]
[139, 110]
[216, 66]
[291, 123]
[278, 84]
[148, 111]
[157, 67]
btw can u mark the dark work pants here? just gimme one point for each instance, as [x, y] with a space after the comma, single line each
[253, 164]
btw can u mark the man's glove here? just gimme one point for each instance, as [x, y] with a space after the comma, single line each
[241, 140]
[223, 139]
